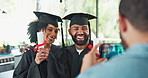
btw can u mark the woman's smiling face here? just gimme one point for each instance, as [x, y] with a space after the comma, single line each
[50, 33]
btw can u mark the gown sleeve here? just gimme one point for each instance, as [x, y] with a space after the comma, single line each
[27, 68]
[58, 65]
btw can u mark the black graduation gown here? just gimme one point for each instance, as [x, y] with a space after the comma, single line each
[27, 68]
[66, 64]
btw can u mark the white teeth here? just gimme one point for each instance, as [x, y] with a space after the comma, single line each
[50, 37]
[80, 37]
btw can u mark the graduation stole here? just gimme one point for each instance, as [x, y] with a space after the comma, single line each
[37, 46]
[90, 46]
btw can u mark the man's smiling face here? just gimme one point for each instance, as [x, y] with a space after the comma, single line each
[79, 33]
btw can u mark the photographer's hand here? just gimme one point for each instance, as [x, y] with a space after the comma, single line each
[92, 58]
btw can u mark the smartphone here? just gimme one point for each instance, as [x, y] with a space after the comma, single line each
[108, 50]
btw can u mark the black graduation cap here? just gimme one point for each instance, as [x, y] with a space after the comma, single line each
[42, 18]
[48, 18]
[79, 18]
[51, 19]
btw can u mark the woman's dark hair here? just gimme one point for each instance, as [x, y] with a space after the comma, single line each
[33, 28]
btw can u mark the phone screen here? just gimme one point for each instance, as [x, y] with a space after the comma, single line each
[108, 50]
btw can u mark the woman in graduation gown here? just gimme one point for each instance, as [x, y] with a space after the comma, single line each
[34, 63]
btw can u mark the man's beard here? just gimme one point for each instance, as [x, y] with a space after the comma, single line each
[86, 37]
[123, 42]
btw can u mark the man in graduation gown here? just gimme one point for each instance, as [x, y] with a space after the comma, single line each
[67, 63]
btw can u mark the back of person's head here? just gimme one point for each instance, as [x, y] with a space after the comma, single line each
[136, 11]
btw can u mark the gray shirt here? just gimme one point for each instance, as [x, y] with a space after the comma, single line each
[133, 64]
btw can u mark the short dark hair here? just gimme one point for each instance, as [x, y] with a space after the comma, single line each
[136, 11]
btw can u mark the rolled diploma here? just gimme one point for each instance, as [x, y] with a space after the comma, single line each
[40, 38]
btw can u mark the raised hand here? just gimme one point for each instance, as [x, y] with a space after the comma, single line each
[41, 55]
[92, 58]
